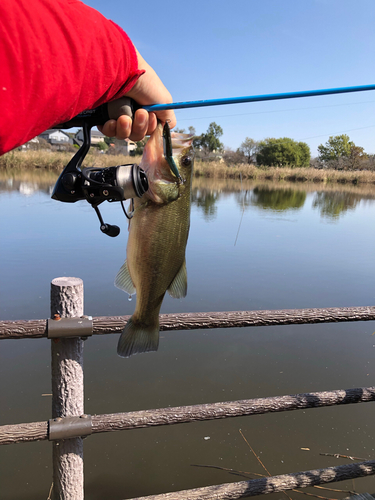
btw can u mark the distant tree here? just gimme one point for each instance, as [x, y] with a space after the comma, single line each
[357, 157]
[41, 144]
[336, 147]
[183, 131]
[249, 148]
[138, 151]
[283, 151]
[340, 152]
[210, 140]
[109, 140]
[233, 157]
[102, 146]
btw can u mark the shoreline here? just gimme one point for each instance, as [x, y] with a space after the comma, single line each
[288, 174]
[28, 161]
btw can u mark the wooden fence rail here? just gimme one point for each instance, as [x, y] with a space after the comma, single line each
[67, 394]
[38, 431]
[193, 321]
[274, 484]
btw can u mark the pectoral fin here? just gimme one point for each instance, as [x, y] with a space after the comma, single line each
[178, 288]
[123, 280]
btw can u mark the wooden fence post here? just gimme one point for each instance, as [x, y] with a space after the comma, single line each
[67, 390]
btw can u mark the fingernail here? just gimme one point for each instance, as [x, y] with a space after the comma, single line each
[142, 122]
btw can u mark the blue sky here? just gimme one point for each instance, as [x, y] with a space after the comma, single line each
[207, 49]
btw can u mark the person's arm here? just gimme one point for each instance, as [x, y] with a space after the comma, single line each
[60, 58]
[148, 89]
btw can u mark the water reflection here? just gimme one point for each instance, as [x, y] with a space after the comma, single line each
[206, 200]
[293, 264]
[26, 182]
[332, 205]
[277, 199]
[330, 200]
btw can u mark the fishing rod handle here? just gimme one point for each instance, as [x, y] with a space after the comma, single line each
[101, 114]
[123, 106]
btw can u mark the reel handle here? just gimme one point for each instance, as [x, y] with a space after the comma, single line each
[110, 230]
[103, 113]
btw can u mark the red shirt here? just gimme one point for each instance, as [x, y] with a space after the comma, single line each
[57, 59]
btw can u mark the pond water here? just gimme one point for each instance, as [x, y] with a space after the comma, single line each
[251, 246]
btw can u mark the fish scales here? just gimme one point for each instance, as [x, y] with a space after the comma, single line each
[153, 263]
[158, 235]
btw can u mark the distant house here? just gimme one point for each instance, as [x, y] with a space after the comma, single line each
[32, 143]
[56, 137]
[96, 137]
[122, 147]
[130, 145]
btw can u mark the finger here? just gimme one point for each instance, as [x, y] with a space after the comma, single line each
[123, 127]
[167, 116]
[152, 123]
[109, 128]
[140, 125]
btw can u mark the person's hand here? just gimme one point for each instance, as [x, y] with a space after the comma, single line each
[148, 89]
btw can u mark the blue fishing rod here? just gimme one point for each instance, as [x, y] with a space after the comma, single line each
[257, 98]
[127, 106]
[122, 182]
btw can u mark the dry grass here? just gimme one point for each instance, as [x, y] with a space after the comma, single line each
[29, 160]
[56, 160]
[299, 174]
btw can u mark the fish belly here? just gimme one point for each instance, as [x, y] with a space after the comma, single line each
[155, 256]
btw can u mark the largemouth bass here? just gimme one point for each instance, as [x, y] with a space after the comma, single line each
[158, 235]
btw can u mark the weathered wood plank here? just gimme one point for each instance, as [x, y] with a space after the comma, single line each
[167, 416]
[194, 321]
[263, 486]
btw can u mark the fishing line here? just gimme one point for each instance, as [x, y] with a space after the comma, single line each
[335, 133]
[243, 210]
[131, 213]
[274, 111]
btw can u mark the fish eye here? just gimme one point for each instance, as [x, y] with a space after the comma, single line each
[186, 161]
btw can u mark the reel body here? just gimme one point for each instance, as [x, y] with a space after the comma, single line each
[96, 185]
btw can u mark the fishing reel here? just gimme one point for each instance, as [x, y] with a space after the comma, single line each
[95, 185]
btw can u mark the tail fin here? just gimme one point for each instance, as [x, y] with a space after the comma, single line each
[137, 338]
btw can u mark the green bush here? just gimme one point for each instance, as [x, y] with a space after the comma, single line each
[282, 152]
[102, 146]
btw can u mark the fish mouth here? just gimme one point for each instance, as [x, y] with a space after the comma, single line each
[175, 144]
[181, 142]
[156, 155]
[168, 151]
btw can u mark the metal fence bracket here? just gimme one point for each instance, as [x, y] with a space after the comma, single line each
[69, 327]
[69, 427]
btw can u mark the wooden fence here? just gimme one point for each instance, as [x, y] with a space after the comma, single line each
[68, 327]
